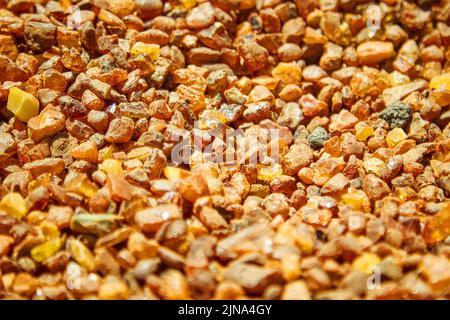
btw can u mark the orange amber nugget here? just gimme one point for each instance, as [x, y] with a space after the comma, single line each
[395, 136]
[438, 227]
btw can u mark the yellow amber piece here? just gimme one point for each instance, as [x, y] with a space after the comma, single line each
[187, 4]
[23, 104]
[82, 185]
[36, 217]
[113, 289]
[382, 79]
[395, 136]
[373, 165]
[438, 227]
[82, 254]
[65, 3]
[214, 114]
[43, 180]
[439, 156]
[441, 81]
[112, 166]
[45, 250]
[363, 131]
[288, 73]
[106, 153]
[174, 174]
[306, 244]
[244, 28]
[366, 263]
[396, 79]
[49, 230]
[156, 125]
[290, 266]
[244, 85]
[404, 193]
[149, 49]
[141, 153]
[267, 174]
[354, 198]
[209, 118]
[184, 246]
[14, 205]
[32, 185]
[390, 16]
[266, 81]
[196, 228]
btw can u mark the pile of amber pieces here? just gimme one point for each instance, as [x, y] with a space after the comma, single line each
[94, 95]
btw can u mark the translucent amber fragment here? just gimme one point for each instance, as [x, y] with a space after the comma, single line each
[266, 81]
[174, 174]
[43, 180]
[156, 125]
[354, 198]
[373, 165]
[98, 224]
[363, 131]
[45, 250]
[106, 153]
[396, 79]
[194, 95]
[49, 230]
[196, 228]
[361, 84]
[36, 217]
[290, 266]
[395, 136]
[306, 175]
[65, 3]
[244, 85]
[82, 254]
[288, 73]
[404, 193]
[438, 227]
[14, 205]
[306, 244]
[440, 82]
[112, 166]
[214, 114]
[186, 4]
[383, 80]
[439, 156]
[333, 146]
[86, 151]
[139, 153]
[113, 289]
[185, 245]
[366, 263]
[23, 104]
[210, 119]
[267, 174]
[82, 185]
[49, 122]
[149, 49]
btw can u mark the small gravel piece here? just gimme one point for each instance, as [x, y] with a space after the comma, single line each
[397, 114]
[224, 149]
[318, 137]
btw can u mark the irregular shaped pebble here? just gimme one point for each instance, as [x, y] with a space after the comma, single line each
[149, 220]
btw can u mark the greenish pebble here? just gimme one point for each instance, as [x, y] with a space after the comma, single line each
[98, 224]
[318, 137]
[397, 114]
